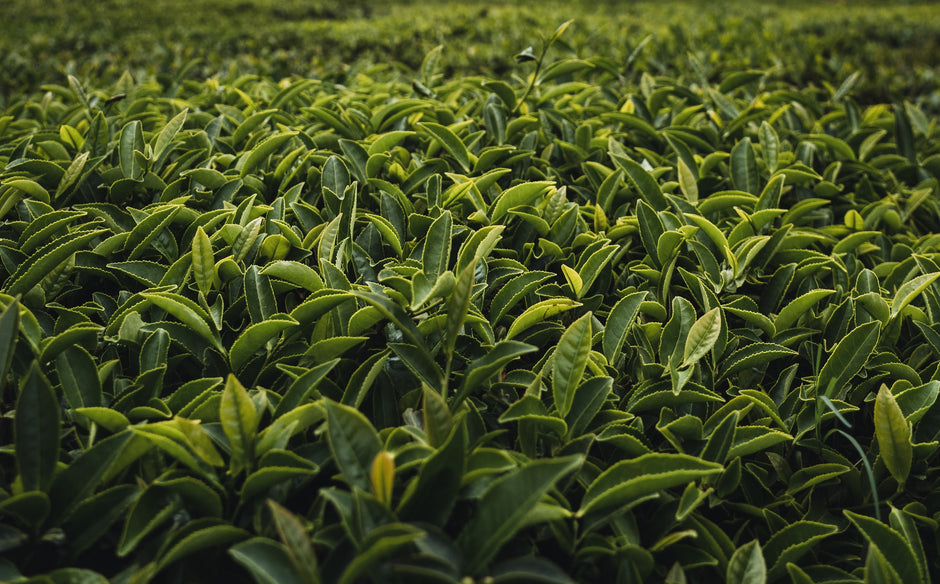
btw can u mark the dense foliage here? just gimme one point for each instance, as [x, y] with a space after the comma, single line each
[613, 310]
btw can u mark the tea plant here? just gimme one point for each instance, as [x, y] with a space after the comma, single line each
[565, 326]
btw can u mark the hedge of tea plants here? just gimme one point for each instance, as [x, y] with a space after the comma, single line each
[587, 320]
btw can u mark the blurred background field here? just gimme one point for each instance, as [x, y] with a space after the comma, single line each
[896, 47]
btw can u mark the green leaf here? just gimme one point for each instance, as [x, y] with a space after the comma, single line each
[642, 181]
[900, 557]
[894, 435]
[618, 324]
[798, 307]
[78, 376]
[451, 143]
[687, 181]
[149, 229]
[457, 307]
[297, 541]
[421, 364]
[239, 423]
[263, 480]
[393, 312]
[792, 543]
[259, 295]
[518, 195]
[296, 273]
[513, 291]
[188, 312]
[480, 370]
[909, 291]
[74, 484]
[504, 505]
[431, 495]
[36, 431]
[747, 565]
[744, 168]
[165, 138]
[702, 337]
[569, 361]
[717, 237]
[9, 332]
[384, 541]
[388, 231]
[435, 256]
[752, 355]
[30, 508]
[149, 512]
[589, 398]
[93, 517]
[200, 540]
[267, 561]
[46, 259]
[903, 522]
[353, 441]
[203, 262]
[628, 481]
[539, 312]
[260, 152]
[130, 143]
[848, 358]
[255, 336]
[721, 438]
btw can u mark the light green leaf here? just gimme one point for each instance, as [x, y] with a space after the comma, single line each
[521, 194]
[451, 143]
[203, 262]
[239, 423]
[747, 565]
[130, 142]
[457, 307]
[200, 540]
[702, 337]
[687, 181]
[260, 152]
[539, 312]
[909, 291]
[893, 434]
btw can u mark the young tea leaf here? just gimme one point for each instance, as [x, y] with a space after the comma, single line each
[702, 337]
[239, 423]
[893, 434]
[569, 361]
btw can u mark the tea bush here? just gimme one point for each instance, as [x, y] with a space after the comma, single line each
[609, 308]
